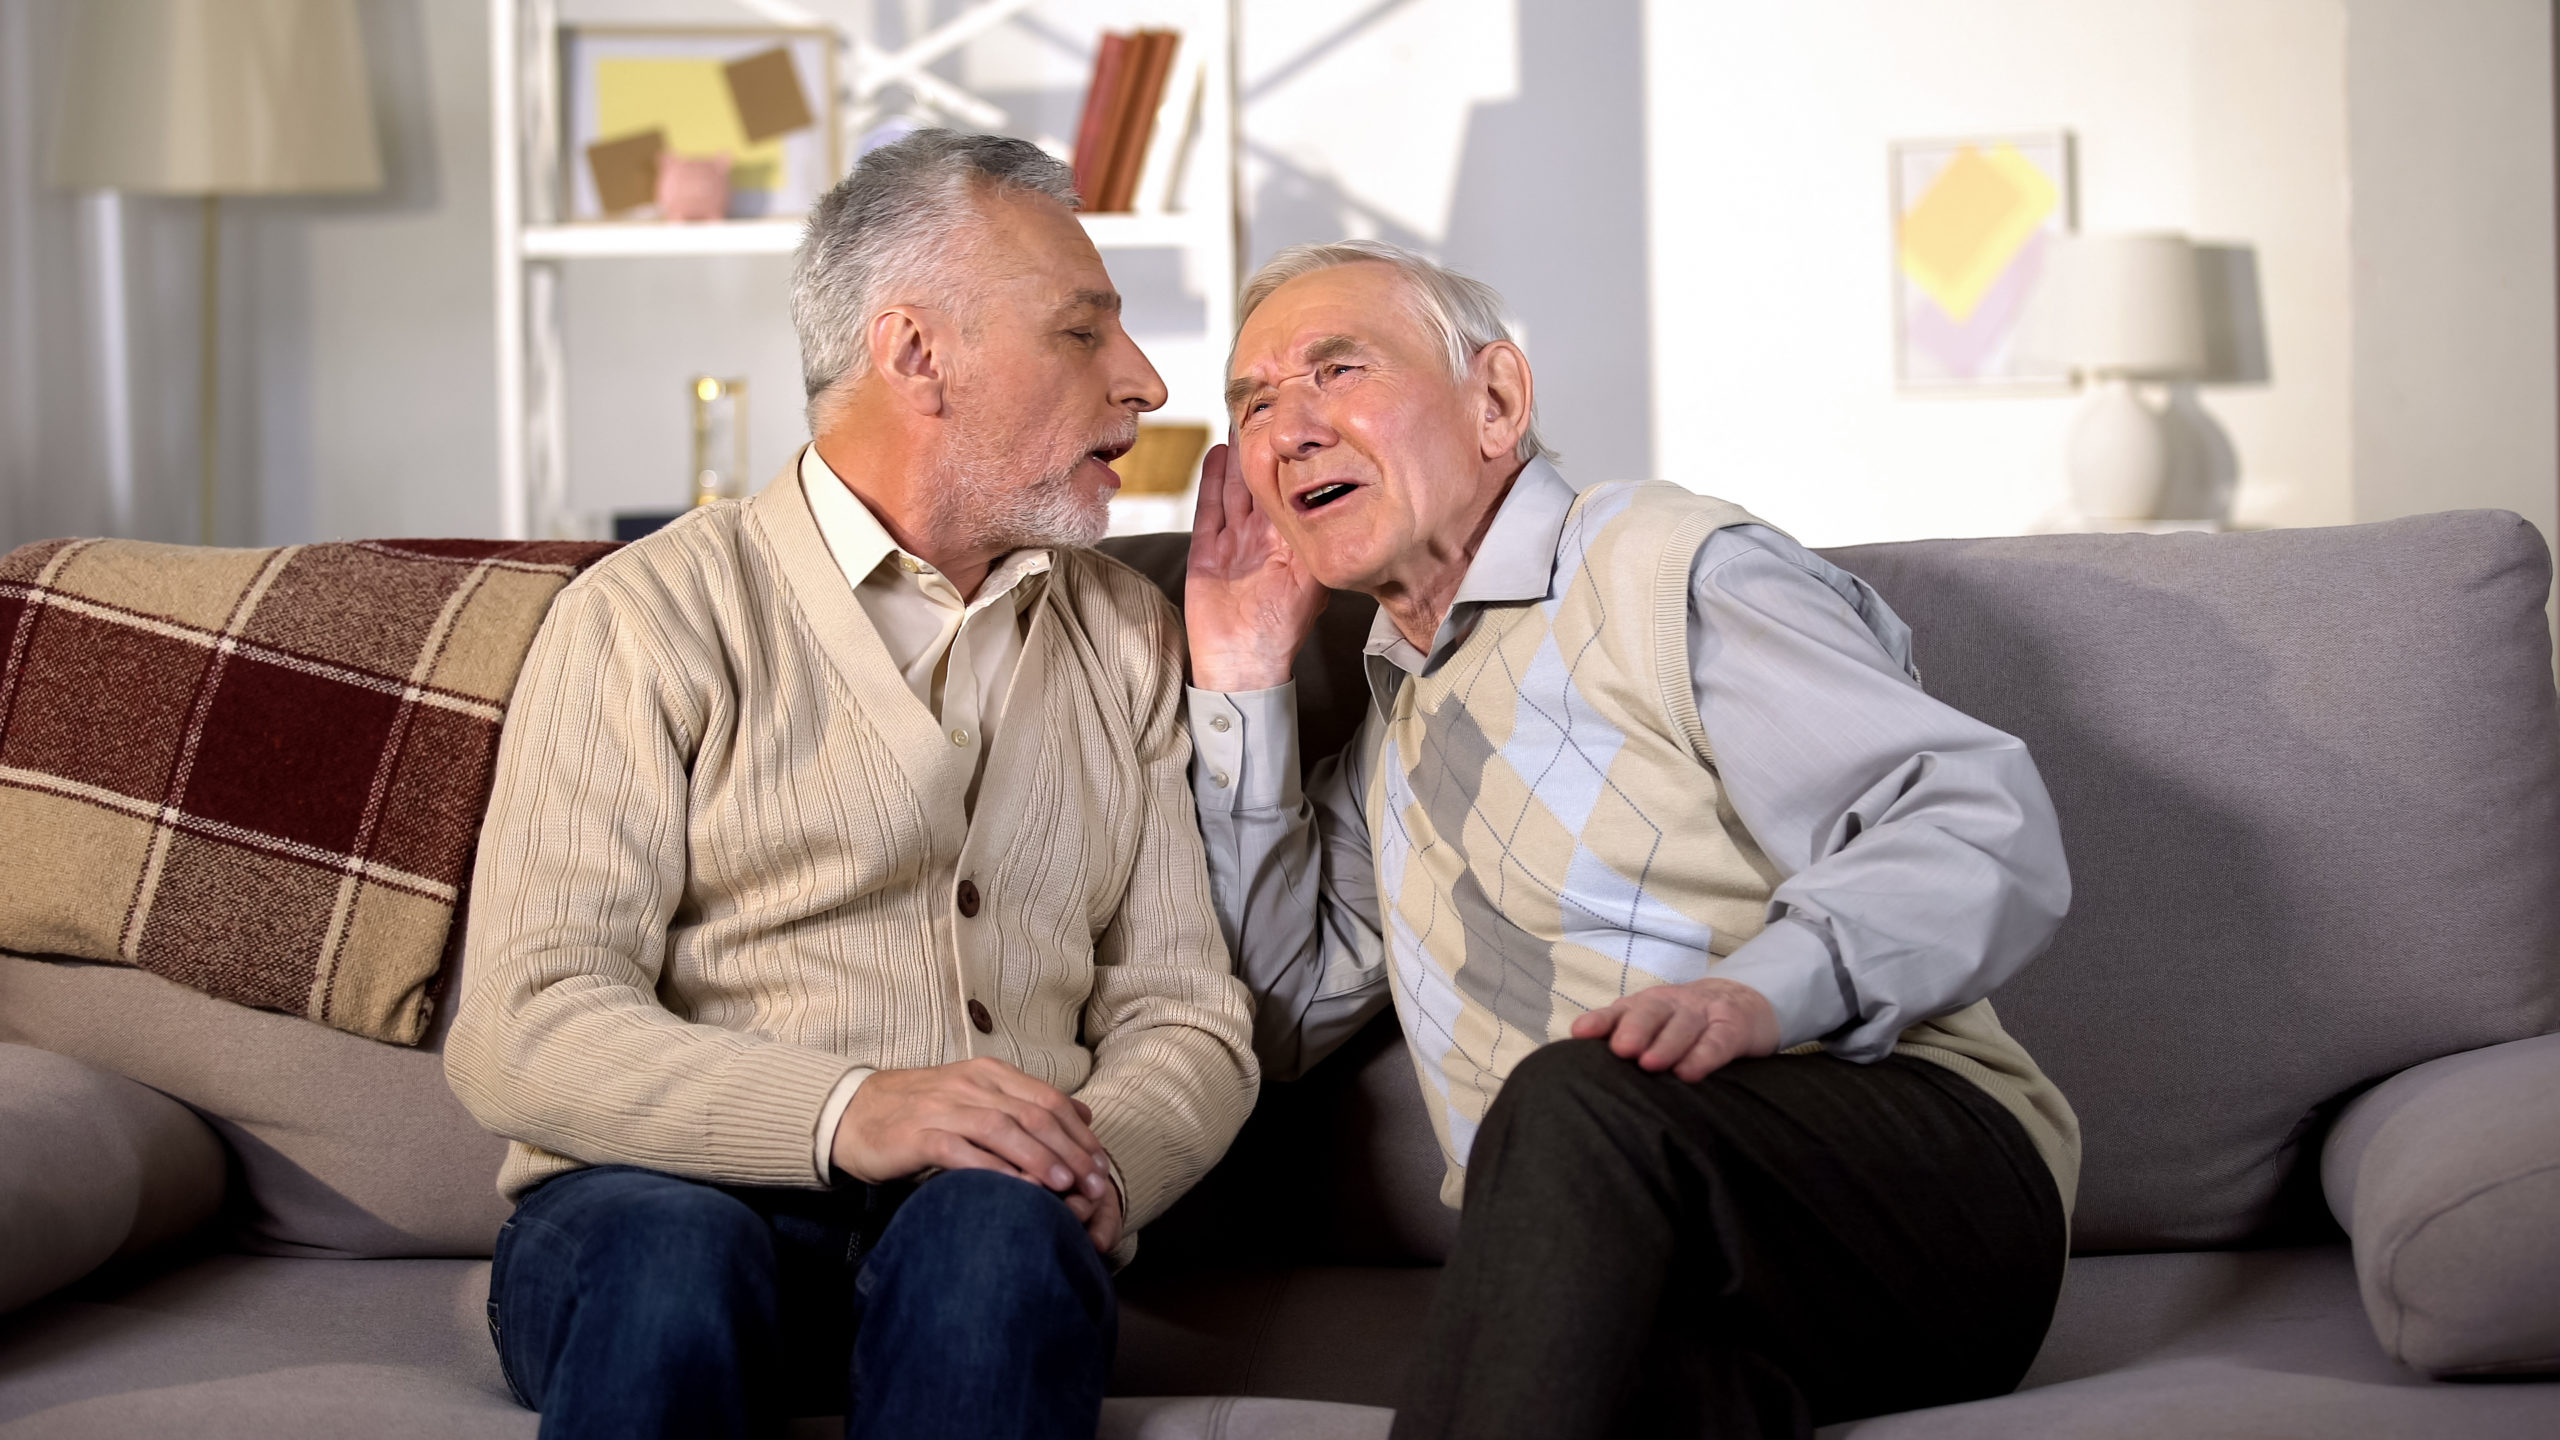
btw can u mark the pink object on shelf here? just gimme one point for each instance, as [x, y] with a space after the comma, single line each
[693, 187]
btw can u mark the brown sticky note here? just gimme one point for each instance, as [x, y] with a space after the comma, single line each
[626, 170]
[766, 90]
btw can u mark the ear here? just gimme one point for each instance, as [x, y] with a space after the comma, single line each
[1506, 391]
[909, 357]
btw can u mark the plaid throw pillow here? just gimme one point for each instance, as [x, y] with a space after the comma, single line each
[259, 773]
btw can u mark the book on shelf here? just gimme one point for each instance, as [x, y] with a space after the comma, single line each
[1119, 121]
[1152, 55]
[1096, 130]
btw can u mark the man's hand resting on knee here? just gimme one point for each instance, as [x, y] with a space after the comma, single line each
[980, 1114]
[1692, 1030]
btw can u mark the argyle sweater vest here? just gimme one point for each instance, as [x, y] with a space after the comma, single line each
[1550, 832]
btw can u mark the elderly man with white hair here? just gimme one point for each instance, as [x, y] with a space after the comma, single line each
[841, 961]
[1685, 893]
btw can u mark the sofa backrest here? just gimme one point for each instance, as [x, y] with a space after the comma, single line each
[347, 1147]
[2309, 783]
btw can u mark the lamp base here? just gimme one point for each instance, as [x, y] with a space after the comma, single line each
[2118, 455]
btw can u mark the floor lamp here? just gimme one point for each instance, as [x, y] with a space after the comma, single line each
[212, 98]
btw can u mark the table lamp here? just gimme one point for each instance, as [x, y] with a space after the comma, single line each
[2130, 312]
[214, 98]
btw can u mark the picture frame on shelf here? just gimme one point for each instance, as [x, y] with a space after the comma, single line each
[1976, 223]
[634, 98]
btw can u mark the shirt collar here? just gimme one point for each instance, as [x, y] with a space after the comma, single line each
[861, 544]
[1515, 562]
[853, 534]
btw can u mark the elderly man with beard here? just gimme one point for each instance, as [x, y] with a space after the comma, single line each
[1686, 894]
[841, 960]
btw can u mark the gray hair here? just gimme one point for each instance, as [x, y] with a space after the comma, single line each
[897, 228]
[1462, 312]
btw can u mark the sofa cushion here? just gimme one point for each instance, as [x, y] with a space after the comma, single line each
[2221, 1346]
[2309, 781]
[262, 1349]
[274, 1349]
[2447, 1178]
[2197, 1344]
[92, 1166]
[259, 772]
[346, 1146]
[1339, 1333]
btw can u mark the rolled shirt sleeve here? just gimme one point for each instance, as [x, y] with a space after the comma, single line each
[1923, 864]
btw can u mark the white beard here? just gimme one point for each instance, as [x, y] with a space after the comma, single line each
[976, 491]
[1048, 513]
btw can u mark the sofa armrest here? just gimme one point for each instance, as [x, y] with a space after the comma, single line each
[92, 1166]
[2447, 1179]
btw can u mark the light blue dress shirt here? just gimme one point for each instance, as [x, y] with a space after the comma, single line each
[1921, 860]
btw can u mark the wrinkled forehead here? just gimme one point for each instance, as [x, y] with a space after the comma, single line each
[1330, 314]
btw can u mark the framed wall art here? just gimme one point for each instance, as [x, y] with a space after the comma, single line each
[646, 107]
[1975, 226]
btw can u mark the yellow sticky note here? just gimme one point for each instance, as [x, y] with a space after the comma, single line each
[690, 101]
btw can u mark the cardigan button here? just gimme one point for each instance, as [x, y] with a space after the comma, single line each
[968, 898]
[979, 1017]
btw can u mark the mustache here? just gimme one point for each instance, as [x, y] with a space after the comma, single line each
[1119, 438]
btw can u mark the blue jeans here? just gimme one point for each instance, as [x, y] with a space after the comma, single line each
[628, 1303]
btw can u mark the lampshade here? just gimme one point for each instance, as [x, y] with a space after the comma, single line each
[2129, 305]
[201, 97]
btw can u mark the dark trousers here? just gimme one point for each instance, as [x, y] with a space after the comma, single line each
[1787, 1243]
[628, 1303]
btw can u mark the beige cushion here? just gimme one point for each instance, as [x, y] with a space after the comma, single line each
[260, 772]
[240, 1347]
[92, 1166]
[348, 1147]
[2447, 1179]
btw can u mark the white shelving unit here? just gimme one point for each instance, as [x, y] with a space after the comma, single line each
[531, 246]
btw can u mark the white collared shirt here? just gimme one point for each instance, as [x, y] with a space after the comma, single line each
[957, 655]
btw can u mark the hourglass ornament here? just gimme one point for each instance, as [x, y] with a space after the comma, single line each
[719, 439]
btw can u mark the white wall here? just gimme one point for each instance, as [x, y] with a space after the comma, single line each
[2457, 367]
[396, 296]
[2388, 161]
[1772, 238]
[354, 387]
[74, 458]
[1505, 137]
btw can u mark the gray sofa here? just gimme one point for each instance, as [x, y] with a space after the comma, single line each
[2310, 784]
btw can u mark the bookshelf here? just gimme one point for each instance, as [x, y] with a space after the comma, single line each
[1195, 139]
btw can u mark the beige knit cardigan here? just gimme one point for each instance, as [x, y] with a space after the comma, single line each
[723, 862]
